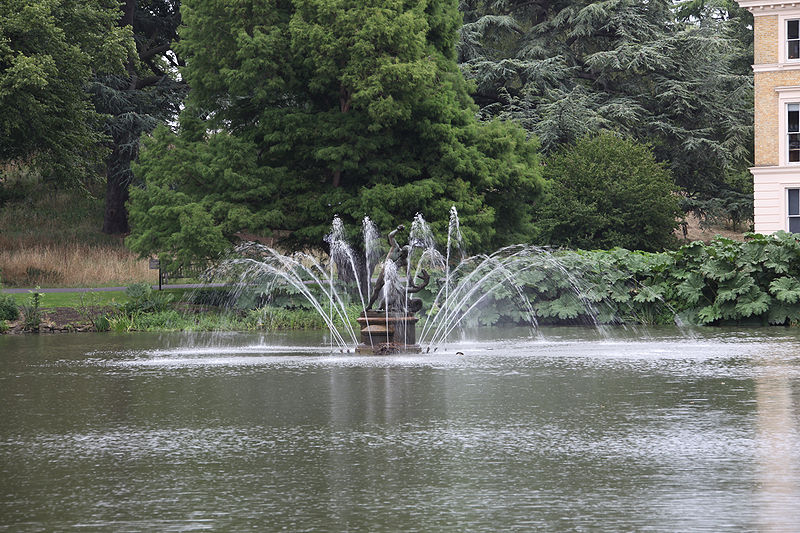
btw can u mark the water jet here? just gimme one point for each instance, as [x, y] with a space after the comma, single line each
[416, 298]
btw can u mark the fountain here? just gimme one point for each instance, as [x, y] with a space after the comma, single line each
[393, 329]
[420, 297]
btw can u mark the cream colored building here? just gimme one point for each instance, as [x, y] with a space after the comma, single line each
[776, 174]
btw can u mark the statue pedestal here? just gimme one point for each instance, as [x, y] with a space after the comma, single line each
[383, 333]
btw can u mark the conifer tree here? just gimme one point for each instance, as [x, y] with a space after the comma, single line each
[300, 110]
[678, 80]
[147, 93]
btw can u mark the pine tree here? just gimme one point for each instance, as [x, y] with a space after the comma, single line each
[300, 110]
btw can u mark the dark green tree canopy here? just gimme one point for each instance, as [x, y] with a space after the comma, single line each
[147, 93]
[605, 191]
[49, 50]
[673, 74]
[301, 110]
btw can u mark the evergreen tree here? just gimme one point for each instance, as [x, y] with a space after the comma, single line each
[566, 68]
[300, 110]
[147, 93]
[605, 191]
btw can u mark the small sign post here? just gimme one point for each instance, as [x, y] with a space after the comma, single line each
[156, 264]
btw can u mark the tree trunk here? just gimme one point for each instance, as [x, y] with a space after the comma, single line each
[115, 219]
[128, 9]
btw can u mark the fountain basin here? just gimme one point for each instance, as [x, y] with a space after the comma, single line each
[387, 333]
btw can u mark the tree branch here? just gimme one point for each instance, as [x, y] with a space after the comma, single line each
[146, 82]
[147, 54]
[157, 71]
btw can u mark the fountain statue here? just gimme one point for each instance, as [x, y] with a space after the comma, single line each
[392, 329]
[389, 311]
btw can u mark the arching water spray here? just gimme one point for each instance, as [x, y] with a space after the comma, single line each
[510, 276]
[372, 249]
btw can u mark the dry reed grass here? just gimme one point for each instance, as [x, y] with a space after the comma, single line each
[73, 265]
[696, 232]
[51, 237]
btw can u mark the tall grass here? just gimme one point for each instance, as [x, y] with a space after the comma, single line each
[73, 265]
[52, 237]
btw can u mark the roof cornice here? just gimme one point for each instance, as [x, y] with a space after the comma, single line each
[764, 7]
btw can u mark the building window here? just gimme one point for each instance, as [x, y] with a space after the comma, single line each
[794, 210]
[793, 39]
[793, 130]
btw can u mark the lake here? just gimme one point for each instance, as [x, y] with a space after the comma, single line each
[645, 430]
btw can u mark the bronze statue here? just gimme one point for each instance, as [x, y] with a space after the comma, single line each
[399, 255]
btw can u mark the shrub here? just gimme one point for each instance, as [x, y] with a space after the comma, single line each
[143, 299]
[8, 308]
[724, 282]
[32, 312]
[605, 192]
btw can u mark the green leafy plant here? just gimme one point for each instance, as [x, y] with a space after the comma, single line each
[8, 308]
[143, 299]
[607, 191]
[725, 281]
[32, 312]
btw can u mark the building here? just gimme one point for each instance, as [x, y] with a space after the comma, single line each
[776, 174]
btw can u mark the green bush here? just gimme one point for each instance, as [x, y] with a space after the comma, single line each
[32, 312]
[724, 282]
[143, 299]
[605, 192]
[8, 308]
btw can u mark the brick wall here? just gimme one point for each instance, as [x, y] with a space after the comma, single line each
[766, 114]
[765, 36]
[767, 124]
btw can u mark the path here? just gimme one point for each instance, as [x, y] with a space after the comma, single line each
[111, 289]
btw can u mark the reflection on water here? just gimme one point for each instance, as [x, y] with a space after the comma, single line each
[777, 436]
[645, 430]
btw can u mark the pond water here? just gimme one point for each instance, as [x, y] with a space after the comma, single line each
[645, 431]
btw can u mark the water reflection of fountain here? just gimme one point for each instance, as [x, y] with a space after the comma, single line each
[461, 285]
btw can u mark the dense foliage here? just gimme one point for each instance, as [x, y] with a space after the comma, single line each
[724, 282]
[49, 50]
[8, 308]
[147, 93]
[306, 109]
[673, 74]
[606, 191]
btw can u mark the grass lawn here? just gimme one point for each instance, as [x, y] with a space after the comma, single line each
[78, 299]
[74, 299]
